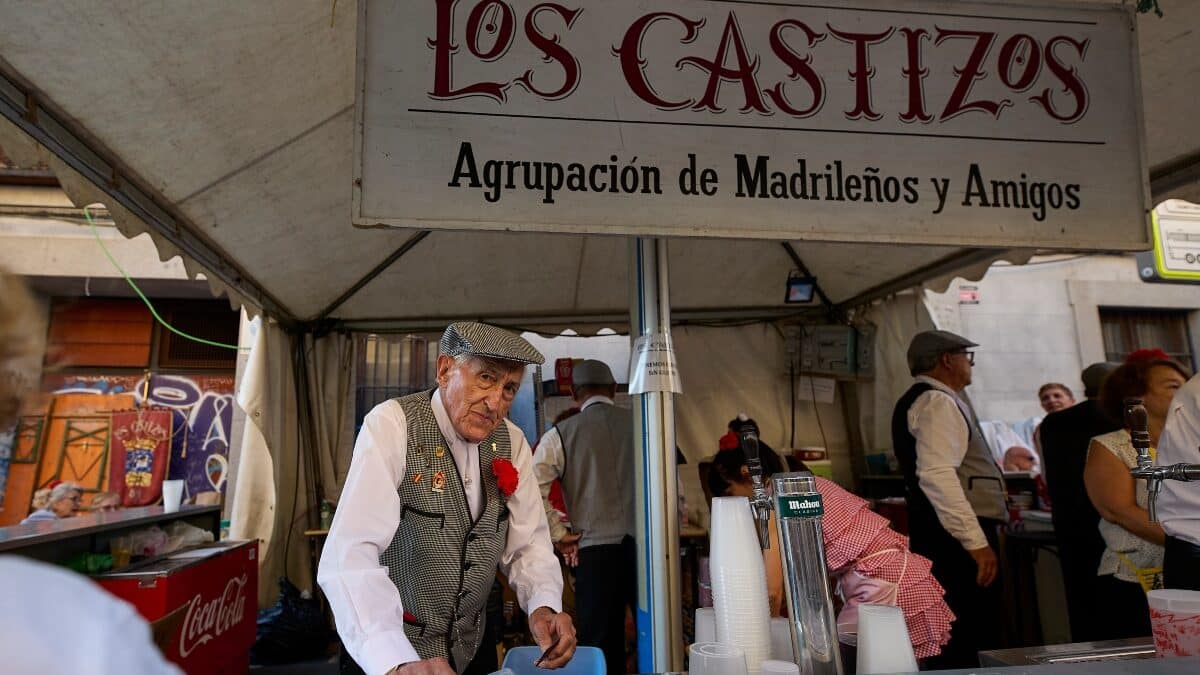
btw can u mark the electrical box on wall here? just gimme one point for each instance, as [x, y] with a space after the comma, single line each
[837, 350]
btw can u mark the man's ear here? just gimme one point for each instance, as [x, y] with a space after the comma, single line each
[444, 364]
[745, 473]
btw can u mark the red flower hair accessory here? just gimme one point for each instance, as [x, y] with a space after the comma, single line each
[1147, 355]
[506, 476]
[730, 441]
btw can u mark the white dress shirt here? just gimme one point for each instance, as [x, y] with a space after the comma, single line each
[936, 420]
[1179, 503]
[548, 464]
[55, 621]
[366, 605]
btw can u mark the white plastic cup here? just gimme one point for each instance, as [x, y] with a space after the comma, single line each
[706, 624]
[781, 640]
[172, 491]
[739, 581]
[884, 645]
[716, 658]
[1175, 621]
[780, 667]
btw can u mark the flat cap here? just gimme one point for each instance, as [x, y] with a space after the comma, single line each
[1094, 375]
[480, 339]
[933, 343]
[591, 371]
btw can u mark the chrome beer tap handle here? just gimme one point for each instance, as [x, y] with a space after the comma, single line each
[760, 504]
[1155, 475]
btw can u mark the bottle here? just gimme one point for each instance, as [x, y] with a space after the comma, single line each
[326, 514]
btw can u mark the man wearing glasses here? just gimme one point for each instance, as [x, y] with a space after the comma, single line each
[955, 491]
[440, 494]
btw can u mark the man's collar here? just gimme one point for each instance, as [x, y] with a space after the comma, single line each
[443, 421]
[596, 399]
[937, 384]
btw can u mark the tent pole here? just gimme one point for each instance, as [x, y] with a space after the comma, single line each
[659, 615]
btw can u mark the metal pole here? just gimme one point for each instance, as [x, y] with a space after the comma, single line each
[659, 615]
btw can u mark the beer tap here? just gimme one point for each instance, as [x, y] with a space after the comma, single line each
[1137, 422]
[760, 505]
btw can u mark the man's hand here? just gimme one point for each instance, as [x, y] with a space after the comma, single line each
[555, 634]
[438, 666]
[568, 546]
[985, 563]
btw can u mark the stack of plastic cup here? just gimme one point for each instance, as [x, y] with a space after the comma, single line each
[706, 624]
[883, 642]
[715, 658]
[739, 582]
[781, 639]
[779, 667]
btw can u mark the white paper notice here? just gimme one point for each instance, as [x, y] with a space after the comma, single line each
[652, 365]
[819, 389]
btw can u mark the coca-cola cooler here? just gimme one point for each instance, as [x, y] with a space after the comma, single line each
[202, 604]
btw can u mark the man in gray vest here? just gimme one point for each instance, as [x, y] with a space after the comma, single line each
[955, 491]
[592, 453]
[440, 494]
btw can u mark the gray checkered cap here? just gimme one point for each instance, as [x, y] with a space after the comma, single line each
[480, 339]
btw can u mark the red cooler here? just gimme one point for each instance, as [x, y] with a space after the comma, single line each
[205, 599]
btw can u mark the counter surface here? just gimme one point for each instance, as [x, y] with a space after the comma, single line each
[1190, 664]
[44, 532]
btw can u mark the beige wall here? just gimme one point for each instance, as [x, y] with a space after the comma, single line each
[1040, 323]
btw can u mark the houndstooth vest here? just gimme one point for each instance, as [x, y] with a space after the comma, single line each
[442, 562]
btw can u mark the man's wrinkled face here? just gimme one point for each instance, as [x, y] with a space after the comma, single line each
[1055, 399]
[477, 393]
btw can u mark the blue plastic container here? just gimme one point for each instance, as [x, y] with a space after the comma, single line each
[587, 661]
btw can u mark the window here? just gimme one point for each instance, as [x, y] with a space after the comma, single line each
[210, 320]
[391, 366]
[99, 332]
[119, 333]
[1127, 330]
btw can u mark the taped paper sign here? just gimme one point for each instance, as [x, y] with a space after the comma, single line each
[652, 365]
[819, 389]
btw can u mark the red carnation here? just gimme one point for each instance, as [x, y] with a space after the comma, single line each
[506, 476]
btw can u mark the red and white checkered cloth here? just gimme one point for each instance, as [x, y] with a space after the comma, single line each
[860, 540]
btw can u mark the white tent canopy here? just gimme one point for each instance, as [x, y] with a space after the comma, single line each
[225, 130]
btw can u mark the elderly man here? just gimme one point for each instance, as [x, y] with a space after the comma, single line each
[955, 491]
[65, 500]
[1065, 436]
[440, 493]
[592, 453]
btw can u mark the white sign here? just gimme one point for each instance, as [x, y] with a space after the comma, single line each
[652, 365]
[918, 121]
[818, 389]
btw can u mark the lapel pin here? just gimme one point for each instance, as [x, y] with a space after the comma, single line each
[438, 482]
[440, 451]
[417, 478]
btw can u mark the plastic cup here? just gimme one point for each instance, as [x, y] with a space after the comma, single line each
[121, 549]
[779, 667]
[883, 642]
[716, 658]
[781, 640]
[172, 491]
[1175, 622]
[706, 624]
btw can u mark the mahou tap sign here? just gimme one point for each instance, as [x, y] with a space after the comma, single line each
[914, 121]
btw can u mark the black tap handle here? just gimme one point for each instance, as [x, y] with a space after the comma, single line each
[1138, 423]
[749, 443]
